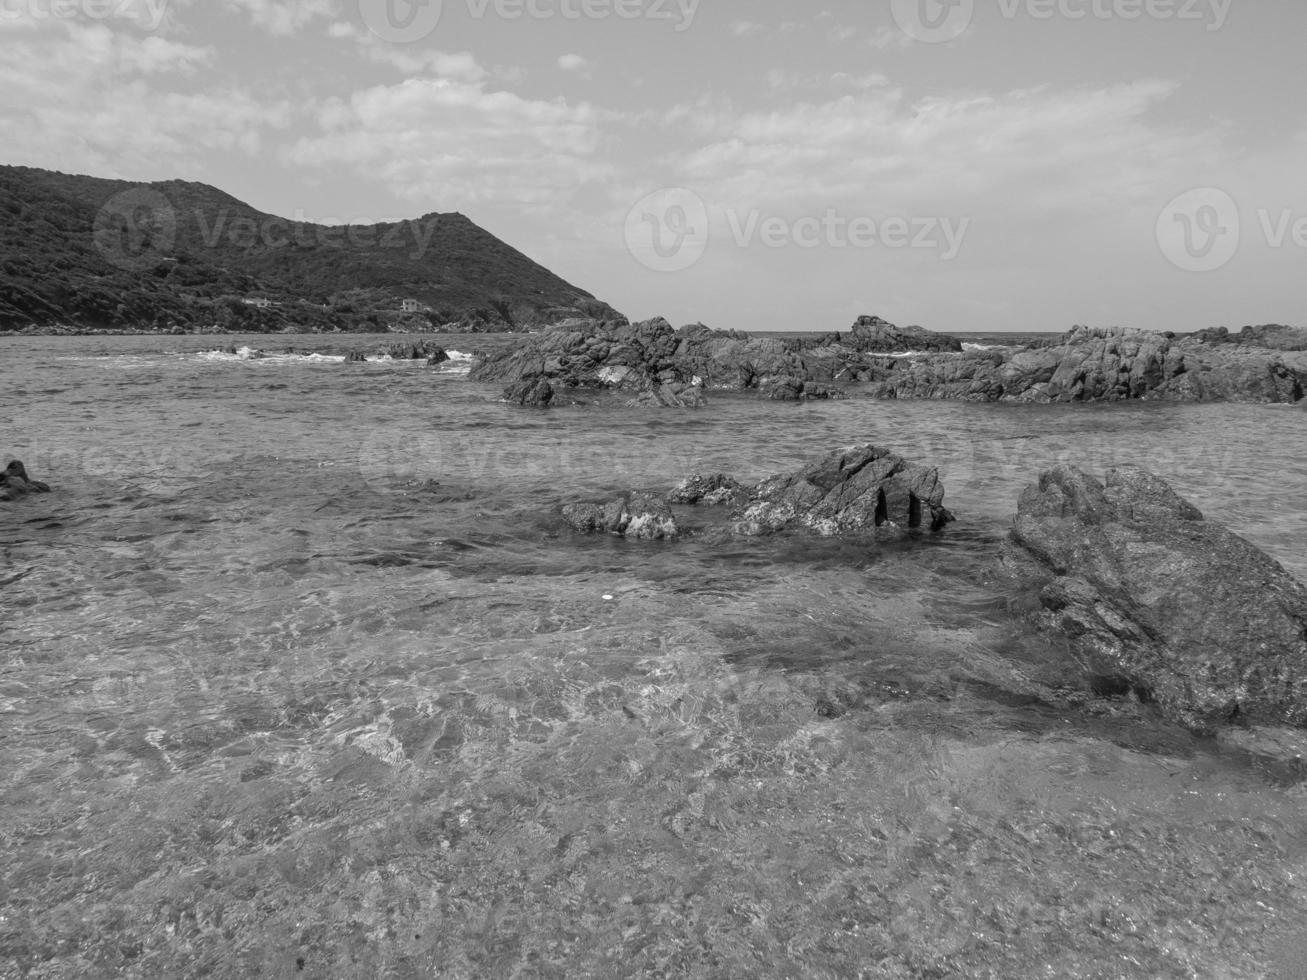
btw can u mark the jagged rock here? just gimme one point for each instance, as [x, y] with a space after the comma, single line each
[857, 489]
[711, 491]
[874, 335]
[440, 356]
[632, 515]
[530, 393]
[15, 483]
[355, 357]
[1273, 336]
[1157, 599]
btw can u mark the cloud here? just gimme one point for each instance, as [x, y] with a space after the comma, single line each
[453, 144]
[1033, 150]
[574, 64]
[285, 17]
[99, 100]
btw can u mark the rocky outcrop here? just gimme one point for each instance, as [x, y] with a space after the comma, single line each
[1086, 365]
[862, 488]
[1092, 365]
[1273, 336]
[15, 483]
[530, 393]
[873, 335]
[1156, 599]
[632, 515]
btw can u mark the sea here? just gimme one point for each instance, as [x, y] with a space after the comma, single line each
[303, 675]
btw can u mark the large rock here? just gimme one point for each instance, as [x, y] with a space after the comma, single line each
[530, 393]
[632, 515]
[1154, 597]
[15, 483]
[862, 488]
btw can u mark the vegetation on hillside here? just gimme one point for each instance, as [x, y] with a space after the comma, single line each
[84, 253]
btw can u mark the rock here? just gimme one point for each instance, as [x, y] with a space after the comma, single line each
[355, 357]
[1273, 336]
[711, 491]
[874, 335]
[530, 392]
[792, 389]
[437, 357]
[1157, 599]
[15, 483]
[862, 488]
[672, 394]
[632, 515]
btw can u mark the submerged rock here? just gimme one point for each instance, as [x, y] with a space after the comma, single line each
[15, 483]
[857, 489]
[1156, 599]
[632, 515]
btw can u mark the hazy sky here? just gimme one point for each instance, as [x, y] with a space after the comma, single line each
[755, 164]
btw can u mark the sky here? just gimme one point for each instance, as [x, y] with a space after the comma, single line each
[965, 165]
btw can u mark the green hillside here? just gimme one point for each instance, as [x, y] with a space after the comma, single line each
[84, 253]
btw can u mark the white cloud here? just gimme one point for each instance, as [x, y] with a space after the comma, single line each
[285, 17]
[575, 64]
[453, 144]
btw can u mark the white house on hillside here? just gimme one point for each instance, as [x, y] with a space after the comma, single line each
[410, 306]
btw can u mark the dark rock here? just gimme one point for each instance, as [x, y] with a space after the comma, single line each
[1157, 599]
[873, 335]
[1273, 336]
[711, 490]
[15, 483]
[530, 392]
[356, 357]
[858, 489]
[632, 515]
[792, 389]
[439, 356]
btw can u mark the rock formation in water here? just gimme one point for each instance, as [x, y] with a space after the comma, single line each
[1086, 365]
[1154, 597]
[632, 515]
[534, 392]
[15, 483]
[863, 489]
[857, 489]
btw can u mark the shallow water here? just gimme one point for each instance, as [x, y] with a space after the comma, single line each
[303, 676]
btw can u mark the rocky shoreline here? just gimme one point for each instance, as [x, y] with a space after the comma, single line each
[876, 359]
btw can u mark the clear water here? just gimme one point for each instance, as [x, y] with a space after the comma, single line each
[302, 676]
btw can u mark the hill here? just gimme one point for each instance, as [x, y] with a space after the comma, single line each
[84, 253]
